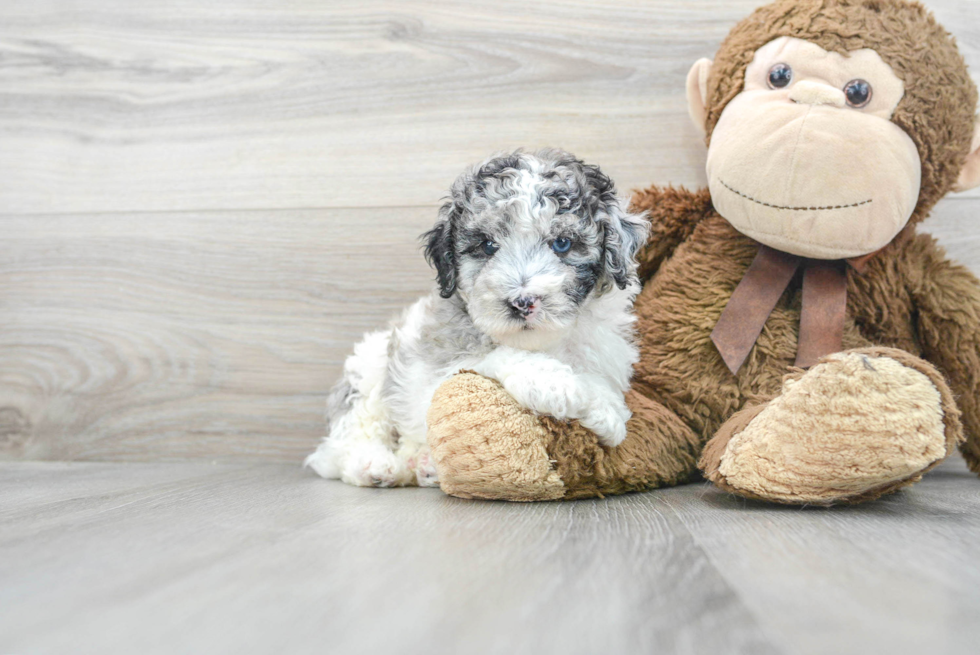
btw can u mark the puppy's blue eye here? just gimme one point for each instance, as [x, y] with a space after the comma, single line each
[489, 247]
[561, 245]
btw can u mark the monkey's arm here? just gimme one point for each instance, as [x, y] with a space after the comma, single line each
[673, 215]
[947, 298]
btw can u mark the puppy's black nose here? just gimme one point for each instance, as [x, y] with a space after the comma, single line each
[524, 305]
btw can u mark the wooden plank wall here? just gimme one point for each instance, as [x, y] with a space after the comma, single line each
[203, 204]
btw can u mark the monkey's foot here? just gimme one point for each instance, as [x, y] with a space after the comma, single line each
[857, 425]
[485, 445]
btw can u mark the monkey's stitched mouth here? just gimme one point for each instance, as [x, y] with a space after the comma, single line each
[795, 209]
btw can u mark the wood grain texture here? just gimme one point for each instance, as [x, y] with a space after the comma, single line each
[165, 558]
[191, 335]
[211, 335]
[204, 205]
[956, 225]
[240, 104]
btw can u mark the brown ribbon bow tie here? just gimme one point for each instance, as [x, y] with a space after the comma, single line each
[821, 317]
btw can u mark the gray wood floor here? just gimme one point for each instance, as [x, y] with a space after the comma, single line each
[233, 558]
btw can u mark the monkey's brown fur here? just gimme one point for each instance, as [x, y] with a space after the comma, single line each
[910, 303]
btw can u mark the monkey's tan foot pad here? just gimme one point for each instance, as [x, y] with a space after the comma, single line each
[857, 425]
[485, 445]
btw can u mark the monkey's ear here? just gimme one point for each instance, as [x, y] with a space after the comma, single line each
[970, 175]
[697, 93]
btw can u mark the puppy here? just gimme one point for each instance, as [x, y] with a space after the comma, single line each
[534, 255]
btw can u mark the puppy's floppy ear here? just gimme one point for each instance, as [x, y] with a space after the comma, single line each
[623, 232]
[439, 251]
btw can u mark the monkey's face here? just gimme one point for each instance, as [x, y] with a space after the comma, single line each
[806, 159]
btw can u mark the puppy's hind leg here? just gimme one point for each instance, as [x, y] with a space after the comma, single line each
[359, 448]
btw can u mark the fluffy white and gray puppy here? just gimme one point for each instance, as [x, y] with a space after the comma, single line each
[536, 275]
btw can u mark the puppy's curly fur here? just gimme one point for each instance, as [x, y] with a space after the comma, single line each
[536, 276]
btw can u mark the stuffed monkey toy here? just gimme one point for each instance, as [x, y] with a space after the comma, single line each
[799, 341]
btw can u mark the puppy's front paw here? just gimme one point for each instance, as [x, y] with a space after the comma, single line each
[419, 460]
[373, 465]
[551, 391]
[608, 422]
[425, 470]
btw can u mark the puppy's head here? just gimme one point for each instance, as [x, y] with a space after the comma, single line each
[528, 241]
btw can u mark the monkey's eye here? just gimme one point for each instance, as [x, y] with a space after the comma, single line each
[858, 93]
[561, 245]
[779, 76]
[489, 247]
